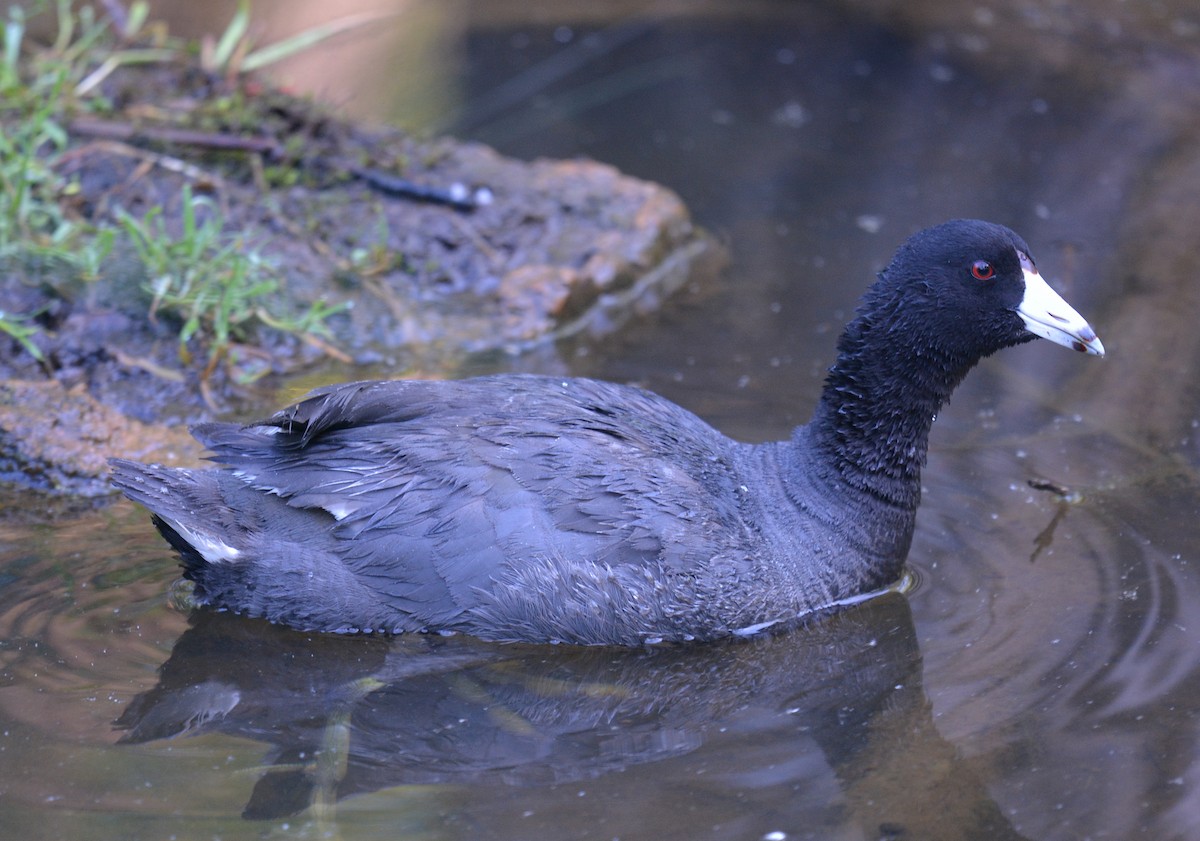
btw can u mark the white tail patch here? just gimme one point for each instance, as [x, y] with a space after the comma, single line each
[213, 549]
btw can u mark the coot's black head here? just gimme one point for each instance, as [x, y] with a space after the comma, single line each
[967, 288]
[951, 295]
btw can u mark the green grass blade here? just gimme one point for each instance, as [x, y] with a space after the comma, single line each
[232, 35]
[280, 50]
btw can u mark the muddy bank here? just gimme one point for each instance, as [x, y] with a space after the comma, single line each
[52, 438]
[424, 252]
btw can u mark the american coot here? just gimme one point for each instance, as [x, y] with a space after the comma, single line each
[548, 509]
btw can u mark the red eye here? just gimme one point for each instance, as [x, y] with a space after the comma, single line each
[982, 270]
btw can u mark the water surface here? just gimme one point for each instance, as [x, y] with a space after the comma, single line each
[1040, 682]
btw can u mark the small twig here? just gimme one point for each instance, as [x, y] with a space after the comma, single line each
[215, 355]
[1050, 486]
[148, 366]
[327, 348]
[117, 130]
[456, 196]
[395, 305]
[113, 147]
[1066, 498]
[206, 394]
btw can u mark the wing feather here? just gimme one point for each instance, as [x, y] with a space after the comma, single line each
[440, 488]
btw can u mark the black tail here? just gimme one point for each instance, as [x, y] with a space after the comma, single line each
[150, 484]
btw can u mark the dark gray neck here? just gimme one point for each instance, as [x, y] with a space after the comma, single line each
[860, 540]
[880, 399]
[855, 470]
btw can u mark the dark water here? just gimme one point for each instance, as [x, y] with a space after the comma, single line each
[1042, 680]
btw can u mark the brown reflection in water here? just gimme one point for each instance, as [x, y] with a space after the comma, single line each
[79, 619]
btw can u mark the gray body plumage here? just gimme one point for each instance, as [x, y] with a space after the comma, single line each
[572, 510]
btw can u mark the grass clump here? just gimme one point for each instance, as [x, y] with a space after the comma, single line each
[208, 282]
[33, 103]
[200, 276]
[20, 328]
